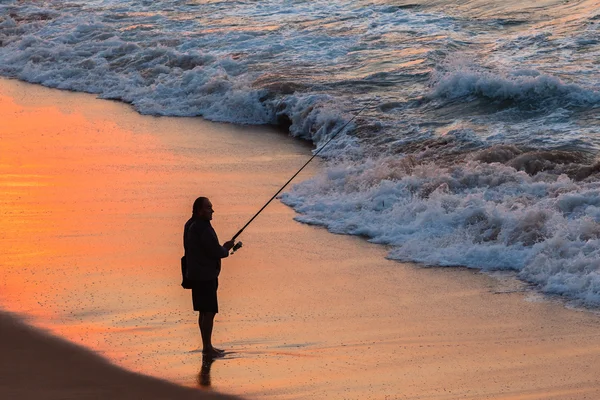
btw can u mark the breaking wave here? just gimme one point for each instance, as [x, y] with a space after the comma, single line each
[526, 87]
[156, 74]
[545, 227]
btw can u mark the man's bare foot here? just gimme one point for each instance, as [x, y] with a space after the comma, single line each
[219, 350]
[212, 352]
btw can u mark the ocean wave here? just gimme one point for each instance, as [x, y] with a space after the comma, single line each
[546, 227]
[155, 79]
[67, 52]
[527, 88]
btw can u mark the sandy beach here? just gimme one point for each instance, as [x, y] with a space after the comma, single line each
[94, 198]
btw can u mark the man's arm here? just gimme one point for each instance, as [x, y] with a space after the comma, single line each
[211, 245]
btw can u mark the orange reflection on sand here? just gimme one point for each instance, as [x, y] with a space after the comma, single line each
[63, 178]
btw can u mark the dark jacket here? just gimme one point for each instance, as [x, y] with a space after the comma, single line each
[203, 252]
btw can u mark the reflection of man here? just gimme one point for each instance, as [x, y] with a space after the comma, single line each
[203, 255]
[204, 374]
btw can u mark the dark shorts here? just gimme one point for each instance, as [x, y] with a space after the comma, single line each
[204, 296]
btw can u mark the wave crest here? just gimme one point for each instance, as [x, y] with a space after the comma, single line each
[526, 87]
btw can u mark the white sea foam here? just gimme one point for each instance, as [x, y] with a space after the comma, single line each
[86, 53]
[487, 216]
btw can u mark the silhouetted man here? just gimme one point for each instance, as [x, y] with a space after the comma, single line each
[203, 255]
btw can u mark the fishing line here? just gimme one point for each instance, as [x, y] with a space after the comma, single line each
[239, 244]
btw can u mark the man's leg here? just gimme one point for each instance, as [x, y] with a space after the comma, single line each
[200, 315]
[206, 321]
[206, 318]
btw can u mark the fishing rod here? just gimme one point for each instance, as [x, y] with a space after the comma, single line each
[239, 244]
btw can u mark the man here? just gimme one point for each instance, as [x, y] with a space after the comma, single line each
[203, 255]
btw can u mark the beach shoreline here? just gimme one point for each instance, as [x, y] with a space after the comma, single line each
[306, 314]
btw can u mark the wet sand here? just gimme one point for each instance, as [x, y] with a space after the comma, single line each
[94, 198]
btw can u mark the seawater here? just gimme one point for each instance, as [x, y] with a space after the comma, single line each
[480, 148]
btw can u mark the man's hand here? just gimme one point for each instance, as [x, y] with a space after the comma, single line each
[228, 245]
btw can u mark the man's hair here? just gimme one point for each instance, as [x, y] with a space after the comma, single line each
[198, 204]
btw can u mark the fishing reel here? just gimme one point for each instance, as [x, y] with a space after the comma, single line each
[236, 247]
